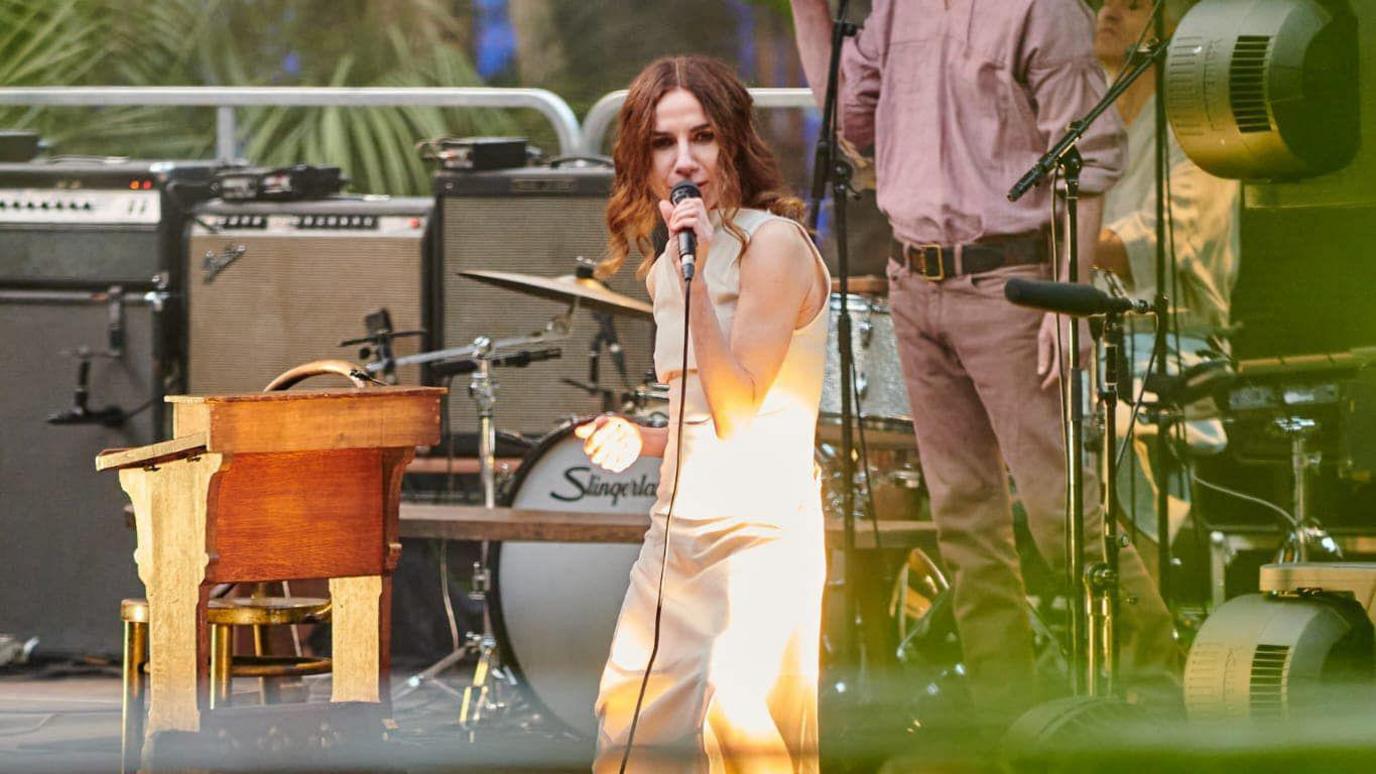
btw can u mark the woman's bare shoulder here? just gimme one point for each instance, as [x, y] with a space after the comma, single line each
[779, 239]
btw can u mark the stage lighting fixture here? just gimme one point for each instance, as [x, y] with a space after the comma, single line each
[1265, 89]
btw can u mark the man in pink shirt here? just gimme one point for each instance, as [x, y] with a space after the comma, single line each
[957, 99]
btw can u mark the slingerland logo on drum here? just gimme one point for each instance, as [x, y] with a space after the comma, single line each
[586, 483]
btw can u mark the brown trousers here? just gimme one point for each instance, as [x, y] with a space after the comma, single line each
[970, 361]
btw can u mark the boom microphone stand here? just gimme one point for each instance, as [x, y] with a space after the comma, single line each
[1066, 157]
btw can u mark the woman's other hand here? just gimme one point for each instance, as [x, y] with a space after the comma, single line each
[611, 442]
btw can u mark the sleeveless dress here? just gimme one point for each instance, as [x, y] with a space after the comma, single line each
[735, 678]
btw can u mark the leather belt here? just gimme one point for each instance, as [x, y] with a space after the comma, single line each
[935, 262]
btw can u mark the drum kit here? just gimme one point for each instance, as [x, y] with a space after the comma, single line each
[550, 608]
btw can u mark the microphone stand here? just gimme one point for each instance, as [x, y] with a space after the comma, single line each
[1102, 578]
[1084, 591]
[1162, 443]
[830, 166]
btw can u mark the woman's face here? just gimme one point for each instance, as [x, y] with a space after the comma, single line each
[684, 147]
[1120, 24]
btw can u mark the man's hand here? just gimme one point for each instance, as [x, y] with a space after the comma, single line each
[1049, 339]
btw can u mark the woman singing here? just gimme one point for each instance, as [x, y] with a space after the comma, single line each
[737, 530]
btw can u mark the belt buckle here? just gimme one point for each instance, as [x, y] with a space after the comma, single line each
[922, 261]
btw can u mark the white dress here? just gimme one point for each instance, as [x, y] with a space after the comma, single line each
[735, 677]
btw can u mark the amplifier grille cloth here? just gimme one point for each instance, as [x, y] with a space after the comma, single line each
[66, 555]
[111, 254]
[539, 235]
[292, 299]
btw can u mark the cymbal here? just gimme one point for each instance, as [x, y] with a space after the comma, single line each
[590, 293]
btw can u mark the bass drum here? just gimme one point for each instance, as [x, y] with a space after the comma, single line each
[554, 605]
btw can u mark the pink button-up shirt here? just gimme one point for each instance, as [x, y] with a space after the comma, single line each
[960, 97]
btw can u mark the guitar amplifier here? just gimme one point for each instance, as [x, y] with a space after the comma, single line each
[270, 286]
[532, 220]
[89, 224]
[66, 558]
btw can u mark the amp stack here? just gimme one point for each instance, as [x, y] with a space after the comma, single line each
[530, 220]
[88, 281]
[272, 285]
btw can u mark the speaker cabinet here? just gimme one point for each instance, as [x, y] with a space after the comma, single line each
[537, 220]
[67, 556]
[82, 223]
[273, 285]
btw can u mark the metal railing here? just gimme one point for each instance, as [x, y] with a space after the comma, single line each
[599, 119]
[573, 138]
[226, 99]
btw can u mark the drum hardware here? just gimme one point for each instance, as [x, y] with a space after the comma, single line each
[1305, 412]
[929, 650]
[555, 330]
[605, 337]
[606, 329]
[1305, 642]
[1306, 534]
[570, 288]
[379, 342]
[575, 589]
[878, 380]
[518, 359]
[484, 696]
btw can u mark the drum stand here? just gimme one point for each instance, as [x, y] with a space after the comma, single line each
[483, 695]
[1306, 540]
[486, 693]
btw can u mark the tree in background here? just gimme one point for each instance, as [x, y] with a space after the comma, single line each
[267, 42]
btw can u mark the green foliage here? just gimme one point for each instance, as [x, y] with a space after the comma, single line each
[780, 7]
[397, 43]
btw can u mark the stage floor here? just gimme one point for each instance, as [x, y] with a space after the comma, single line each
[66, 718]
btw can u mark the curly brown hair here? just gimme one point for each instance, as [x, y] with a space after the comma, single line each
[748, 173]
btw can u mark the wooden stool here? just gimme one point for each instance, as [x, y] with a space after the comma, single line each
[221, 616]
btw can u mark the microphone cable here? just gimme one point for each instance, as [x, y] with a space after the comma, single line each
[668, 521]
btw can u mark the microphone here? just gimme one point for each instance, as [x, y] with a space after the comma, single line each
[1068, 298]
[687, 241]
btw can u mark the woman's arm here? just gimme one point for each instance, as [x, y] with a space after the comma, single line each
[778, 276]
